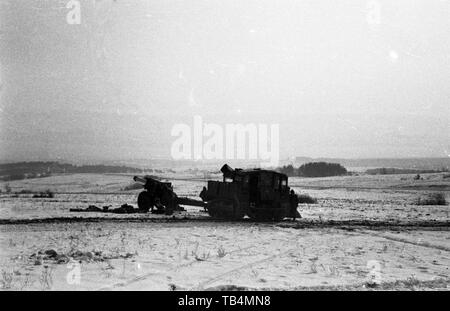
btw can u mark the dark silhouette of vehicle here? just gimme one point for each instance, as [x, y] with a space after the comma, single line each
[262, 195]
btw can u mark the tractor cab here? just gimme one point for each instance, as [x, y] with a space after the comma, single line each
[258, 193]
[262, 186]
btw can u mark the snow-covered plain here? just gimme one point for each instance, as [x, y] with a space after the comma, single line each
[364, 233]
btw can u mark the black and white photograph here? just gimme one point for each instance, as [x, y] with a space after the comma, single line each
[199, 146]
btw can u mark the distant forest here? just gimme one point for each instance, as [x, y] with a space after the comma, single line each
[23, 170]
[314, 169]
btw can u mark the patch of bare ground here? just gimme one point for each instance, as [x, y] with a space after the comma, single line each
[351, 225]
[411, 284]
[302, 224]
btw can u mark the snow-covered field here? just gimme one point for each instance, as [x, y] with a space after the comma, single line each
[364, 233]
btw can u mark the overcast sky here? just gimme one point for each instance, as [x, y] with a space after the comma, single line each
[342, 78]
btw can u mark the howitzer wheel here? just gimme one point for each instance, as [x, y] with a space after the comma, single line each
[144, 201]
[170, 206]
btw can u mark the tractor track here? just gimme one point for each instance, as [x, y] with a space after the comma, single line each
[406, 241]
[192, 262]
[201, 285]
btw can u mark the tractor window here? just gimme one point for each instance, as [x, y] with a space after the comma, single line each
[266, 180]
[245, 181]
[283, 183]
[276, 182]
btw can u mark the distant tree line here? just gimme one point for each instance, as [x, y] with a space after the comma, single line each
[314, 169]
[391, 171]
[288, 170]
[24, 170]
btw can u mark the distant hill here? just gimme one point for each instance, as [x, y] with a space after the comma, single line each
[405, 163]
[391, 171]
[22, 170]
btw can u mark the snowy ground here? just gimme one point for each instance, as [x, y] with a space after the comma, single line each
[363, 231]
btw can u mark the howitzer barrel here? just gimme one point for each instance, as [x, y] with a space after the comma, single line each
[140, 179]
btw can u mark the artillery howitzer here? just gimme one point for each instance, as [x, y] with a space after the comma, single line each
[160, 197]
[259, 194]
